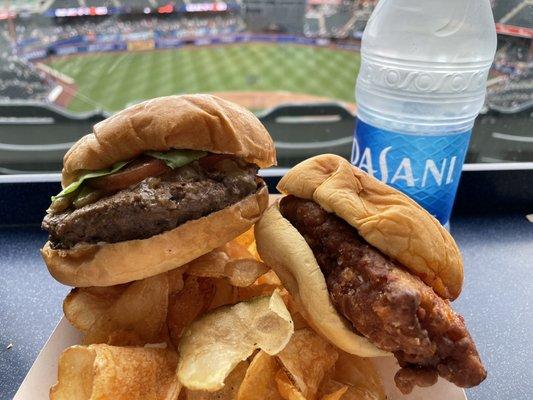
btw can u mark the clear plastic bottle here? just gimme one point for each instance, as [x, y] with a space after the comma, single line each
[421, 85]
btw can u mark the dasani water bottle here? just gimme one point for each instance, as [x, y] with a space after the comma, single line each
[421, 85]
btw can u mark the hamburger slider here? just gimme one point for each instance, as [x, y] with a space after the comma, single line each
[371, 271]
[154, 187]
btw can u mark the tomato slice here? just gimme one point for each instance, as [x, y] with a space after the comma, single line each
[134, 173]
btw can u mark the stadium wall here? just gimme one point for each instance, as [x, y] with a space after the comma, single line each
[81, 45]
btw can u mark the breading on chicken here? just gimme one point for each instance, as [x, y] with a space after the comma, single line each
[393, 308]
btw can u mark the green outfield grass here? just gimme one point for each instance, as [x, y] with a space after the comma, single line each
[111, 81]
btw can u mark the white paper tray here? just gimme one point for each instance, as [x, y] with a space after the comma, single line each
[43, 373]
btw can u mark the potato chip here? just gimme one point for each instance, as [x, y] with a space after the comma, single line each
[350, 393]
[225, 293]
[124, 338]
[210, 265]
[237, 251]
[299, 321]
[231, 261]
[107, 291]
[306, 359]
[358, 393]
[260, 379]
[253, 251]
[286, 388]
[250, 292]
[214, 344]
[246, 239]
[332, 390]
[83, 306]
[141, 308]
[244, 272]
[230, 389]
[118, 373]
[336, 395]
[175, 279]
[270, 278]
[361, 375]
[187, 304]
[296, 313]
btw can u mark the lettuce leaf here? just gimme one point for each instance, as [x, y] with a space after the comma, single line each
[92, 174]
[173, 158]
[177, 158]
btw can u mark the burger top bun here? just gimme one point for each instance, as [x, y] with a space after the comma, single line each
[383, 216]
[284, 250]
[195, 122]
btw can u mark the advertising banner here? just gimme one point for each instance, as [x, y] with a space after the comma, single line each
[141, 45]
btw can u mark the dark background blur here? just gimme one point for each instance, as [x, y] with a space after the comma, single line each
[66, 64]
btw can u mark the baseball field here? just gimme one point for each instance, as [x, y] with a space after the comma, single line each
[110, 81]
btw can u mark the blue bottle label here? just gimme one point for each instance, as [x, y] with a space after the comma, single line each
[425, 167]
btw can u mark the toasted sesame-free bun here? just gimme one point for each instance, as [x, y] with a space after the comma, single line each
[195, 122]
[284, 250]
[383, 216]
[107, 264]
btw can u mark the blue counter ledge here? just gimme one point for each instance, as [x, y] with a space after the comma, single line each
[496, 302]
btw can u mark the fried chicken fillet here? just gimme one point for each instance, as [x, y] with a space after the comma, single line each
[391, 307]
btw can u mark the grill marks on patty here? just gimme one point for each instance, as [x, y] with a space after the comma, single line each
[153, 206]
[387, 304]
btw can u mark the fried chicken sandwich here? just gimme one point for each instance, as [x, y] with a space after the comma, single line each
[371, 271]
[154, 187]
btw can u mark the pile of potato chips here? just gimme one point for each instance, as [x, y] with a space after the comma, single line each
[221, 327]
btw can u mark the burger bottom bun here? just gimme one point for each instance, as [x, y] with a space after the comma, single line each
[284, 250]
[107, 264]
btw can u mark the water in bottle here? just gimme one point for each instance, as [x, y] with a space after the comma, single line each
[421, 85]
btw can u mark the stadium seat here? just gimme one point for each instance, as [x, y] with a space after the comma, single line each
[329, 125]
[523, 18]
[65, 4]
[101, 3]
[37, 136]
[502, 7]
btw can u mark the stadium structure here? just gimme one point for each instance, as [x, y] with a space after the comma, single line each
[504, 131]
[66, 64]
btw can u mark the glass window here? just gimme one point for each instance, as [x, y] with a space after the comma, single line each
[64, 67]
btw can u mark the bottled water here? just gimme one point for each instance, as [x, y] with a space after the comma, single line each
[421, 85]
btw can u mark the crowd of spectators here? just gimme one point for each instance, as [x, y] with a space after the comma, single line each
[110, 3]
[513, 56]
[324, 18]
[39, 32]
[341, 19]
[511, 93]
[198, 27]
[18, 79]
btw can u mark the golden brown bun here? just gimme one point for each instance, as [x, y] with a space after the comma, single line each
[383, 216]
[109, 264]
[284, 250]
[197, 122]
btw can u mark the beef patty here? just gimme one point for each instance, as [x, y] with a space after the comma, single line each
[153, 206]
[394, 309]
